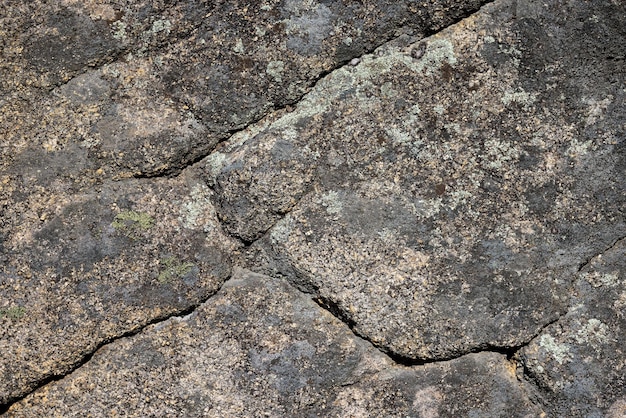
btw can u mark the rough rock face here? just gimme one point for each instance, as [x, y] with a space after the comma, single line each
[313, 208]
[439, 197]
[259, 347]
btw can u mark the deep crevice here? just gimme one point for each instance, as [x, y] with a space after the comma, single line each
[508, 351]
[228, 134]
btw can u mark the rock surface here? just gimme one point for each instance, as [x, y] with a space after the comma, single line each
[303, 208]
[259, 347]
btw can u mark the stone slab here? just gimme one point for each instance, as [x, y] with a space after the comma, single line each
[84, 269]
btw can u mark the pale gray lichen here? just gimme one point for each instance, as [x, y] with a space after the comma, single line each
[520, 96]
[161, 25]
[238, 48]
[119, 30]
[598, 279]
[596, 109]
[500, 153]
[594, 332]
[282, 230]
[214, 164]
[330, 200]
[275, 70]
[198, 204]
[579, 148]
[439, 51]
[560, 352]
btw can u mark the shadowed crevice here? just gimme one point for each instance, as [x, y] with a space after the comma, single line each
[606, 250]
[509, 352]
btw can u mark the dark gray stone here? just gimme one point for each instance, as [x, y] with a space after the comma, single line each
[442, 204]
[578, 361]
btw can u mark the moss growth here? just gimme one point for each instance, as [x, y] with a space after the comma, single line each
[174, 268]
[131, 223]
[15, 312]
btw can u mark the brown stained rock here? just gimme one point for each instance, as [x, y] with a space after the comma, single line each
[579, 361]
[84, 269]
[259, 347]
[440, 201]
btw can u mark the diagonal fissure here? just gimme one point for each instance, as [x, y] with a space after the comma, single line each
[588, 261]
[174, 171]
[54, 377]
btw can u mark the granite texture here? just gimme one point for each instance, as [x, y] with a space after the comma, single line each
[312, 208]
[258, 348]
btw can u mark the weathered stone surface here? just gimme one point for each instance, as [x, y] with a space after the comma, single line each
[92, 92]
[456, 197]
[441, 196]
[579, 361]
[147, 89]
[259, 347]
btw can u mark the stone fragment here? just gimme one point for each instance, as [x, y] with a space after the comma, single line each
[259, 347]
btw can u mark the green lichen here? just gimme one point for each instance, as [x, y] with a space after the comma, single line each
[14, 312]
[174, 269]
[132, 223]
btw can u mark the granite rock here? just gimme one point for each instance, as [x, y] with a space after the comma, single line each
[259, 347]
[97, 97]
[440, 197]
[312, 208]
[84, 269]
[579, 361]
